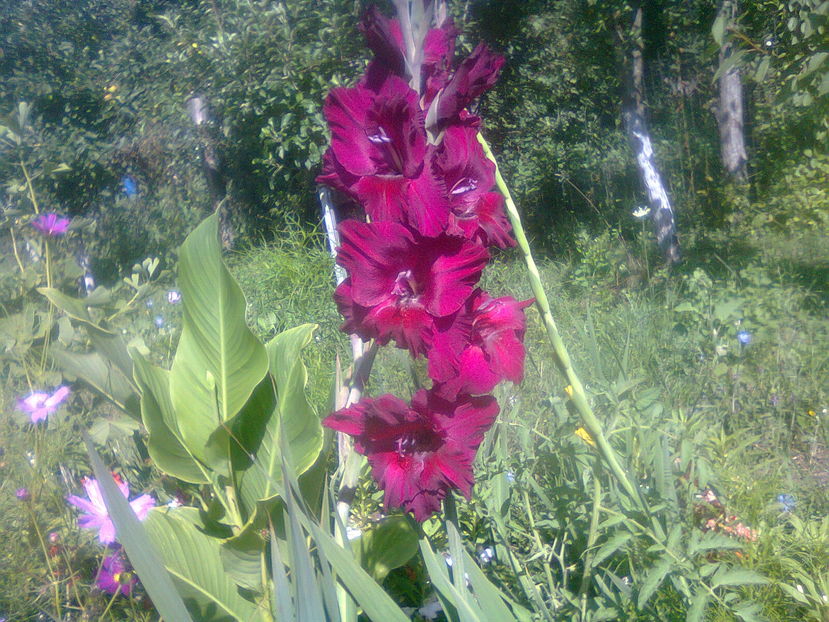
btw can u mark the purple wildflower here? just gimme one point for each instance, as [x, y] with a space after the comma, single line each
[40, 405]
[96, 515]
[51, 224]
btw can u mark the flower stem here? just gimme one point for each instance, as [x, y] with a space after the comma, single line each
[52, 577]
[560, 354]
[109, 605]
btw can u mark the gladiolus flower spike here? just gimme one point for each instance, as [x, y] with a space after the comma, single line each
[408, 161]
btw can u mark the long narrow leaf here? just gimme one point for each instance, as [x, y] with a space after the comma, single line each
[283, 606]
[136, 543]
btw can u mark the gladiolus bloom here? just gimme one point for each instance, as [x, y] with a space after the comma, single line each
[51, 224]
[399, 282]
[479, 347]
[96, 515]
[418, 453]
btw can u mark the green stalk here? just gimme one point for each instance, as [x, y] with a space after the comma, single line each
[42, 542]
[560, 355]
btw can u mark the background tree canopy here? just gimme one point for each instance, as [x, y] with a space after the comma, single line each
[108, 82]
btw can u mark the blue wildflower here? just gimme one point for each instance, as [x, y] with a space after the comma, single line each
[744, 337]
[129, 185]
[787, 502]
[159, 321]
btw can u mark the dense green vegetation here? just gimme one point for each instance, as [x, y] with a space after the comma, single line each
[689, 402]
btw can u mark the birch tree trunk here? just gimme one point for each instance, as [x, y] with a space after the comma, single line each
[730, 107]
[633, 117]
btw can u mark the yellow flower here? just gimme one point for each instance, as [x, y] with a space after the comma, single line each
[585, 436]
[195, 46]
[811, 413]
[112, 88]
[569, 391]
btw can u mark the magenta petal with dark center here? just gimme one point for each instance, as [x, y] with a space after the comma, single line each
[377, 133]
[404, 281]
[419, 453]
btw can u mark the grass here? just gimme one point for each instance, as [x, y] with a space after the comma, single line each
[659, 356]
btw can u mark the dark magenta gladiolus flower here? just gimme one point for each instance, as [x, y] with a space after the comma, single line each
[399, 282]
[418, 453]
[378, 154]
[114, 577]
[475, 212]
[476, 74]
[480, 346]
[51, 224]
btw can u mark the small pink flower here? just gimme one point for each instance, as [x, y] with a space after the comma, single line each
[51, 224]
[40, 405]
[96, 514]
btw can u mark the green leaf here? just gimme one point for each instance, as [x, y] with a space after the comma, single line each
[219, 362]
[242, 560]
[762, 69]
[101, 375]
[291, 416]
[376, 603]
[137, 544]
[653, 580]
[489, 597]
[613, 544]
[718, 29]
[439, 576]
[737, 576]
[711, 541]
[164, 444]
[387, 546]
[106, 342]
[696, 611]
[194, 561]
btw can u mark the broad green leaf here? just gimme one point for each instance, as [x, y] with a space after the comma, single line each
[291, 415]
[106, 342]
[301, 425]
[653, 580]
[387, 546]
[164, 445]
[101, 375]
[737, 576]
[242, 559]
[194, 561]
[138, 546]
[219, 362]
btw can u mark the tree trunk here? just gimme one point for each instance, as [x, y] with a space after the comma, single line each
[730, 108]
[197, 108]
[633, 117]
